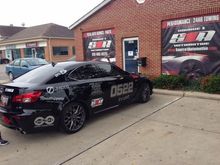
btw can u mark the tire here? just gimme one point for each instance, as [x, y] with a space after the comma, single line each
[73, 117]
[145, 93]
[11, 76]
[192, 70]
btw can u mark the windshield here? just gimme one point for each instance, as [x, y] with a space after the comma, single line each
[36, 62]
[39, 75]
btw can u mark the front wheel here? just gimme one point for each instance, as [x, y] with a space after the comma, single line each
[73, 118]
[145, 93]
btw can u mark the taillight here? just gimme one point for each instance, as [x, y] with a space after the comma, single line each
[27, 97]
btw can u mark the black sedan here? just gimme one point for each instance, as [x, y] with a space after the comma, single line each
[64, 95]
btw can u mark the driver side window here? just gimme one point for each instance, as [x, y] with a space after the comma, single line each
[85, 72]
[16, 63]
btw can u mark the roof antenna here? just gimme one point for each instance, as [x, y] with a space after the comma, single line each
[53, 63]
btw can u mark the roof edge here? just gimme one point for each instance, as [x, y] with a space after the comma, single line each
[90, 13]
[33, 38]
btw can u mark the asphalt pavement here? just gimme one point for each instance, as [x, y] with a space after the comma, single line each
[168, 130]
[3, 76]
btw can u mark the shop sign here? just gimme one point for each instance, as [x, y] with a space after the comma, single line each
[31, 45]
[191, 44]
[140, 1]
[99, 44]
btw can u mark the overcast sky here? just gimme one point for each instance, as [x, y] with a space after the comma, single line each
[36, 12]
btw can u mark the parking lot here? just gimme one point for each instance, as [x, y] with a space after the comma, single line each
[3, 76]
[168, 130]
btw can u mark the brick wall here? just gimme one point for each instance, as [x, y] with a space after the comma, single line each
[58, 43]
[144, 21]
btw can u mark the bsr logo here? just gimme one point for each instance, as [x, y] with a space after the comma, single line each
[100, 44]
[192, 37]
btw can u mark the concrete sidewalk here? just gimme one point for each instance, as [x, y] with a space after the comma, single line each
[187, 94]
[187, 132]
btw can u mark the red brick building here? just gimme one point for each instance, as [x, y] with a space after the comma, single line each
[135, 28]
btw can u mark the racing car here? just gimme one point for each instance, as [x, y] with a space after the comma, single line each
[63, 95]
[191, 65]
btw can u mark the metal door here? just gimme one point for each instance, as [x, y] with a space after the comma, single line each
[130, 47]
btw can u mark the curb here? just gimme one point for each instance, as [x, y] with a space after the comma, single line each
[187, 94]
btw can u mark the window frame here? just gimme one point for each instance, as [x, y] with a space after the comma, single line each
[60, 47]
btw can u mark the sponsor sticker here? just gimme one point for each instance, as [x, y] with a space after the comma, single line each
[4, 100]
[44, 122]
[96, 89]
[96, 102]
[124, 98]
[61, 72]
[51, 89]
[43, 98]
[9, 90]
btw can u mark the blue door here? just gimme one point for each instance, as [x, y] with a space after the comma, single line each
[130, 54]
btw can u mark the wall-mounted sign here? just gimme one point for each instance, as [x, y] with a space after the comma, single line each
[31, 45]
[140, 1]
[191, 46]
[99, 44]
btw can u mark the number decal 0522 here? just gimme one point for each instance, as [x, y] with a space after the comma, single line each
[121, 89]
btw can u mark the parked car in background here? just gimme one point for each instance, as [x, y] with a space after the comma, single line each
[21, 66]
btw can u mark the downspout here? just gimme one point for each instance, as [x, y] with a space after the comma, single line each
[50, 55]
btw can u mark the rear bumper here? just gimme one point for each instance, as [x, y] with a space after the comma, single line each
[29, 120]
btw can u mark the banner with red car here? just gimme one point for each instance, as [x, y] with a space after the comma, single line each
[191, 46]
[99, 45]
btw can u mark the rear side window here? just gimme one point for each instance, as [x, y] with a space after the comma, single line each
[107, 69]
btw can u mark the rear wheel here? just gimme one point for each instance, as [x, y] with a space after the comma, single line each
[11, 76]
[73, 117]
[145, 93]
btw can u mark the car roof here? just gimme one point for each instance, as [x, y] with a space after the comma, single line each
[28, 58]
[67, 64]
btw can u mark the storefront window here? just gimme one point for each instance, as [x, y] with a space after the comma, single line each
[16, 53]
[34, 52]
[57, 51]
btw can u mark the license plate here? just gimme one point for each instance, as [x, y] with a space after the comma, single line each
[4, 100]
